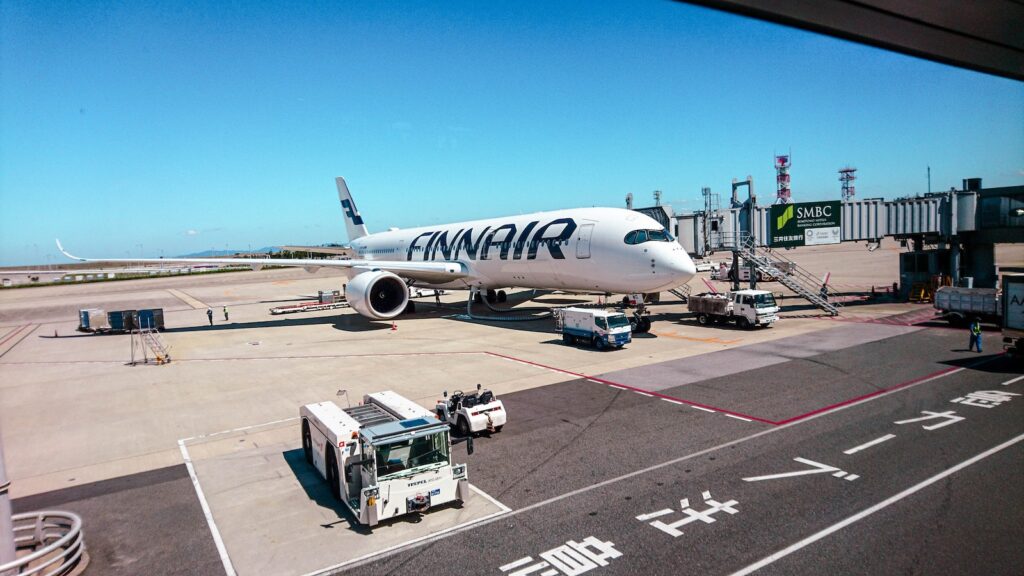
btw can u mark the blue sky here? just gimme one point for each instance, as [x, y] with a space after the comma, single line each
[167, 128]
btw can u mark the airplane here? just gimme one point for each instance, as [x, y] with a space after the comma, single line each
[604, 250]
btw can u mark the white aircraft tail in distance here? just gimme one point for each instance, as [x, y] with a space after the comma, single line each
[610, 250]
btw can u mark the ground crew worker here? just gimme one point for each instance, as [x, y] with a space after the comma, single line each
[225, 313]
[975, 335]
[209, 314]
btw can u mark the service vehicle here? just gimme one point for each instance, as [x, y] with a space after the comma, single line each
[747, 308]
[325, 300]
[705, 265]
[384, 458]
[473, 412]
[961, 305]
[600, 328]
[1013, 314]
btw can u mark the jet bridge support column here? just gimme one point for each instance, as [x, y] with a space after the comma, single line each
[748, 211]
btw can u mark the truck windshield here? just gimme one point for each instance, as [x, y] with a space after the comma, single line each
[600, 323]
[617, 321]
[398, 457]
[764, 301]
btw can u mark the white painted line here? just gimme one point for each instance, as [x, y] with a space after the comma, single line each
[1017, 379]
[738, 417]
[644, 394]
[515, 564]
[612, 385]
[883, 504]
[866, 445]
[242, 429]
[815, 468]
[674, 401]
[432, 536]
[701, 408]
[228, 568]
[490, 498]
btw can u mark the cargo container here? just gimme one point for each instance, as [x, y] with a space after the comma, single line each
[127, 320]
[92, 320]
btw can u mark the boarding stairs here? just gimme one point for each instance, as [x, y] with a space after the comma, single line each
[149, 342]
[787, 273]
[681, 292]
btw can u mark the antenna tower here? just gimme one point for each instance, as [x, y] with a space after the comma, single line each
[782, 194]
[847, 176]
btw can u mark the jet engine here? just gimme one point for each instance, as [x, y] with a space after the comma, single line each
[379, 295]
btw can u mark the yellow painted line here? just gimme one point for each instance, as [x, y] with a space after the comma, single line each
[196, 304]
[692, 339]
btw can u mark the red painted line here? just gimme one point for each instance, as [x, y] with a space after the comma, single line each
[869, 395]
[632, 388]
[13, 334]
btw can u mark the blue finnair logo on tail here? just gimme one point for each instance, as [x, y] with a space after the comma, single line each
[350, 211]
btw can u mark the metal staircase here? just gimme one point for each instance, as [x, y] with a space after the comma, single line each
[681, 292]
[148, 342]
[787, 272]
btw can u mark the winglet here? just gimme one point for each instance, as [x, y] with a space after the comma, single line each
[65, 252]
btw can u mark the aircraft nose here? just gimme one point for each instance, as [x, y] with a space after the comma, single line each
[682, 266]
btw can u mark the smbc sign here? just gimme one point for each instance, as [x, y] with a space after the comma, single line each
[805, 224]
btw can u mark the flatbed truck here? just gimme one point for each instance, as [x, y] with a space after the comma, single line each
[384, 458]
[747, 308]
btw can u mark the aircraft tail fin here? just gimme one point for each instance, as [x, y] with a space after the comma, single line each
[353, 221]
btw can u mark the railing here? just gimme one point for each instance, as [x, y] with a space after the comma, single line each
[55, 539]
[787, 272]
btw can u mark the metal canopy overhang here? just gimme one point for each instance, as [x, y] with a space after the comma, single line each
[982, 35]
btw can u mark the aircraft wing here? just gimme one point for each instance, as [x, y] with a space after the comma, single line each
[430, 272]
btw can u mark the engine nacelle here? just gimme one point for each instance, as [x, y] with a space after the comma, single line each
[379, 295]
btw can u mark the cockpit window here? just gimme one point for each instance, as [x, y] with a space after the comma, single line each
[641, 236]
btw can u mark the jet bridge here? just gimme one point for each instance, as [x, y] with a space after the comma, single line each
[958, 227]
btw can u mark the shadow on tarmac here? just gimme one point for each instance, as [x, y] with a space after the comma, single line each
[317, 491]
[998, 363]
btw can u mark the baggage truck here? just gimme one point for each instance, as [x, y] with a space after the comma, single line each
[1013, 314]
[960, 305]
[600, 328]
[384, 458]
[747, 308]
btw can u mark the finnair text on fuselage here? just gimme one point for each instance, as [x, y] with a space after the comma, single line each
[501, 242]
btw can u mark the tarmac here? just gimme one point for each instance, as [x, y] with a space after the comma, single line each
[195, 467]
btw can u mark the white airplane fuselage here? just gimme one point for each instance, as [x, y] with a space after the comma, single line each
[583, 249]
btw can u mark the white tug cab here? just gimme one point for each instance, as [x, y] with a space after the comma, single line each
[384, 458]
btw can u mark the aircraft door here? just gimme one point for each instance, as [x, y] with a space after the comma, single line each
[583, 241]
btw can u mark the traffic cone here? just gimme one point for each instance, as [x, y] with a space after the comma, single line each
[394, 326]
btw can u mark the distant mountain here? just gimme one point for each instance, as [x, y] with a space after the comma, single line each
[216, 253]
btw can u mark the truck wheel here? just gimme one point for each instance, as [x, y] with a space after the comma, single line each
[568, 339]
[743, 323]
[702, 319]
[599, 344]
[332, 473]
[463, 427]
[307, 442]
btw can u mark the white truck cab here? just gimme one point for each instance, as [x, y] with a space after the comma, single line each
[600, 328]
[384, 458]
